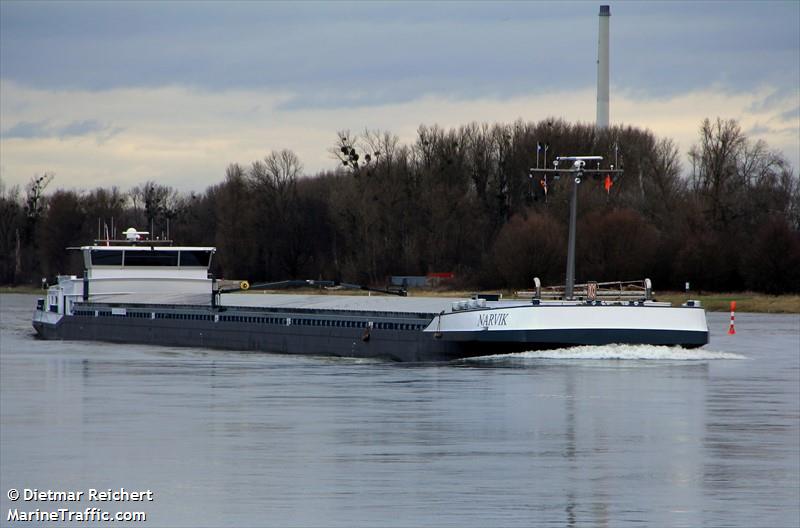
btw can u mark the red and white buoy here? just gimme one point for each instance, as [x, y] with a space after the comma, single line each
[731, 329]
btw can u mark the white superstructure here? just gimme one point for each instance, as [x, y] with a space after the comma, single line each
[132, 267]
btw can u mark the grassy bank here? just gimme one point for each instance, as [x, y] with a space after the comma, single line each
[745, 301]
[21, 289]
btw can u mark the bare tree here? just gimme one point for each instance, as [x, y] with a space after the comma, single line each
[235, 236]
[278, 172]
[158, 202]
[716, 158]
[279, 219]
[34, 197]
[11, 222]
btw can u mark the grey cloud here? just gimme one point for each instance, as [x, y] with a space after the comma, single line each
[44, 129]
[339, 53]
[80, 128]
[791, 115]
[27, 130]
[776, 133]
[775, 99]
[91, 127]
[759, 129]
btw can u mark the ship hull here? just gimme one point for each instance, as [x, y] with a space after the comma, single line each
[407, 346]
[398, 337]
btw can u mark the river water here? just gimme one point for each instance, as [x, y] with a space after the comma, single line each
[595, 436]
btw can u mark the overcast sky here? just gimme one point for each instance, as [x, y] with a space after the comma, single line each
[115, 93]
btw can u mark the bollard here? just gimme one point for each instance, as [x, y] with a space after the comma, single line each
[731, 329]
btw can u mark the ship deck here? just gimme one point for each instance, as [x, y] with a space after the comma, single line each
[362, 303]
[428, 306]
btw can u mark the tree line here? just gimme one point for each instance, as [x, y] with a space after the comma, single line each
[458, 200]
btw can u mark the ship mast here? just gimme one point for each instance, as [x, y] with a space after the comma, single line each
[576, 172]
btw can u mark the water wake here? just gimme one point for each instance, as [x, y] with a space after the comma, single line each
[618, 352]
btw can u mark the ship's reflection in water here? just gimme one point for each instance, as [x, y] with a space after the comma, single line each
[625, 431]
[242, 439]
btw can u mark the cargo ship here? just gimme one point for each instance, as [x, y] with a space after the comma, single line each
[145, 291]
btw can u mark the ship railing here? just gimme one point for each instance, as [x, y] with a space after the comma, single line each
[227, 286]
[638, 290]
[137, 242]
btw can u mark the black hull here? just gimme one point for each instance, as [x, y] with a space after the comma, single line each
[398, 345]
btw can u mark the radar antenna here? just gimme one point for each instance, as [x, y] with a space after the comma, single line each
[131, 234]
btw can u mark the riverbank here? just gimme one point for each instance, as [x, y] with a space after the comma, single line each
[745, 301]
[26, 290]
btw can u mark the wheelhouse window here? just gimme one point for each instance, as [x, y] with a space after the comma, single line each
[151, 258]
[195, 258]
[106, 257]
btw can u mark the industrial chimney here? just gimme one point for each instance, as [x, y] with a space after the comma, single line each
[602, 67]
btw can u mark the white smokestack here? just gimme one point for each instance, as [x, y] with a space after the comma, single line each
[602, 67]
